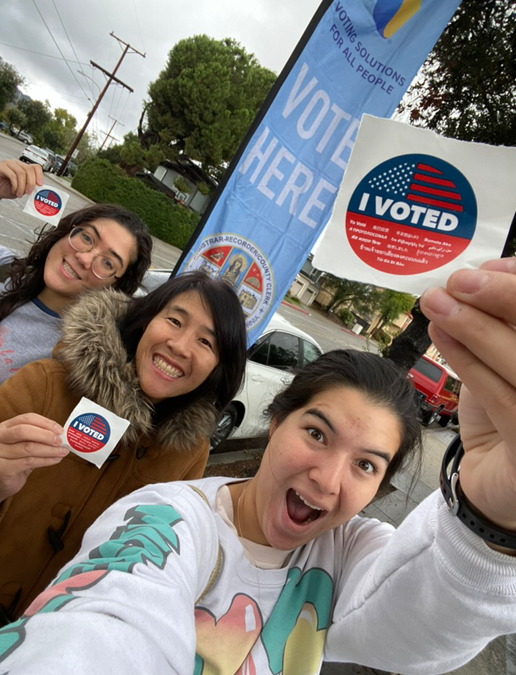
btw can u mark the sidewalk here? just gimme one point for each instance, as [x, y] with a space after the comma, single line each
[499, 658]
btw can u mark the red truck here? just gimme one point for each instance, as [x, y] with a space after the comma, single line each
[438, 389]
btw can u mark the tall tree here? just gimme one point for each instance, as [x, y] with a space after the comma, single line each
[467, 86]
[15, 117]
[37, 116]
[363, 296]
[391, 305]
[10, 80]
[132, 157]
[205, 99]
[60, 130]
[466, 90]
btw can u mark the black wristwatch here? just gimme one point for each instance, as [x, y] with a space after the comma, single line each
[459, 505]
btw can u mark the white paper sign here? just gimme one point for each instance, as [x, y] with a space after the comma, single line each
[92, 432]
[47, 203]
[415, 206]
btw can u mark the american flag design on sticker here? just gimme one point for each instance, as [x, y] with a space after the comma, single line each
[420, 183]
[88, 432]
[411, 214]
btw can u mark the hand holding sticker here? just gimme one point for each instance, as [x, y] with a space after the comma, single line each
[92, 432]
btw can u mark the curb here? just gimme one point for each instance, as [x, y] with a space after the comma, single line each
[299, 309]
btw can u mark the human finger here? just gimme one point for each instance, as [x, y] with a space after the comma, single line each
[488, 337]
[30, 456]
[500, 265]
[476, 347]
[487, 411]
[493, 292]
[21, 178]
[33, 419]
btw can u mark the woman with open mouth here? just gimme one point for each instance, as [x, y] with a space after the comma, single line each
[274, 574]
[167, 362]
[99, 246]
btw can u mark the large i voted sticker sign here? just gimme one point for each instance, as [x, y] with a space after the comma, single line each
[415, 206]
[410, 214]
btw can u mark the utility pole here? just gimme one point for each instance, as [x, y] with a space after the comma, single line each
[108, 135]
[111, 78]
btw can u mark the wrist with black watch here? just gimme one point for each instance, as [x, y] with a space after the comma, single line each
[459, 505]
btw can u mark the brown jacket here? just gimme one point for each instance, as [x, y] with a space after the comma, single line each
[42, 526]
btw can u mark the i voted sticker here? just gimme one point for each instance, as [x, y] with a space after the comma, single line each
[92, 432]
[411, 214]
[88, 432]
[47, 203]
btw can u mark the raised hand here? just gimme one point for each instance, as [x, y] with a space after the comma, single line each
[473, 325]
[27, 442]
[18, 178]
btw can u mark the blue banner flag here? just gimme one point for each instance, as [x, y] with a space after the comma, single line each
[356, 57]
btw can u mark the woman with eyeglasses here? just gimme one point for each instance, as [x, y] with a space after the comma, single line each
[274, 574]
[98, 246]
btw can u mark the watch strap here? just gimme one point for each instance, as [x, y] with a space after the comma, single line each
[459, 505]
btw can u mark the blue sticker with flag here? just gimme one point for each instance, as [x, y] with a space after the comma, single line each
[410, 214]
[88, 432]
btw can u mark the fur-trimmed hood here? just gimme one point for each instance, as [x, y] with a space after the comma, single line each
[92, 351]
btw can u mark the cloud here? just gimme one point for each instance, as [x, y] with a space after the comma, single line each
[267, 28]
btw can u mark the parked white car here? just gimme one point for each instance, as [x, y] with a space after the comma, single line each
[271, 364]
[271, 361]
[34, 155]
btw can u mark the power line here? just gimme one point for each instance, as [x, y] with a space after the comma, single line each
[111, 78]
[138, 24]
[66, 33]
[48, 56]
[59, 50]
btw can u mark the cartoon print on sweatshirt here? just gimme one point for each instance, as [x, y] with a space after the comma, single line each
[147, 538]
[293, 637]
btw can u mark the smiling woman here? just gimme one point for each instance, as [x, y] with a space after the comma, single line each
[101, 245]
[168, 362]
[273, 574]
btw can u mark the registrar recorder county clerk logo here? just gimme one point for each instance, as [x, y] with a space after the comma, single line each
[411, 214]
[88, 432]
[241, 264]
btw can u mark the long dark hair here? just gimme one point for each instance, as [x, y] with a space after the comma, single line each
[377, 378]
[223, 383]
[27, 274]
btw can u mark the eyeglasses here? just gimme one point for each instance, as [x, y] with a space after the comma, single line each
[83, 240]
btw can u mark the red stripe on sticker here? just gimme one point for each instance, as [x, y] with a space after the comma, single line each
[430, 169]
[435, 191]
[435, 202]
[435, 181]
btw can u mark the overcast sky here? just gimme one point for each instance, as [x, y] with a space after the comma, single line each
[34, 32]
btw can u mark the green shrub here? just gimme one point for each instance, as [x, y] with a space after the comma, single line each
[103, 182]
[347, 317]
[383, 338]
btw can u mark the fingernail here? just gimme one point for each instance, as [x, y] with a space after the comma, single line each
[64, 451]
[58, 429]
[469, 281]
[438, 301]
